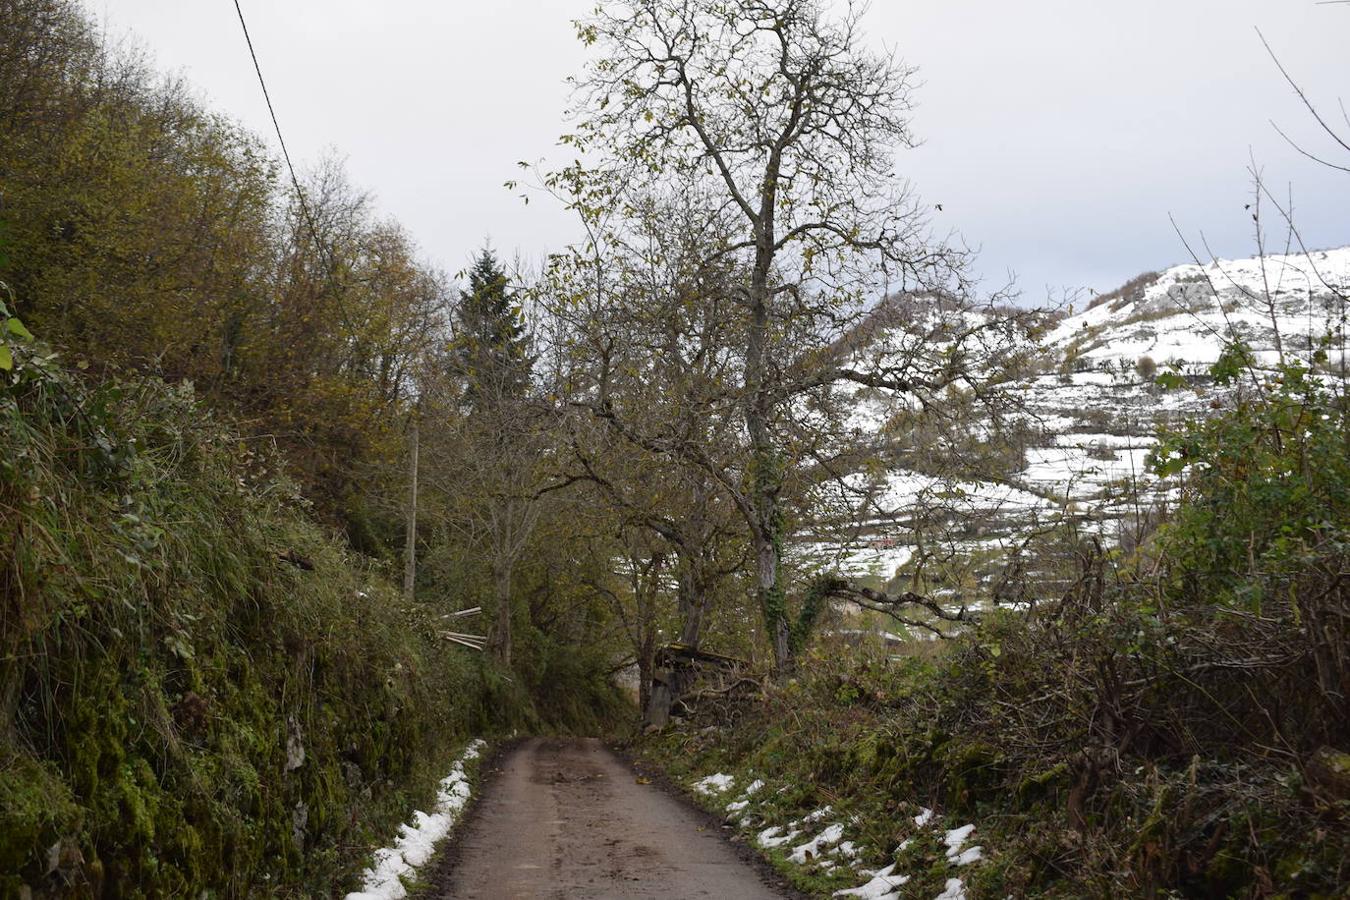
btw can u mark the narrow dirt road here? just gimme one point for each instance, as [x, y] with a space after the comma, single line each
[568, 819]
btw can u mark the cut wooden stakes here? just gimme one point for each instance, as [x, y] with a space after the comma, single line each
[472, 641]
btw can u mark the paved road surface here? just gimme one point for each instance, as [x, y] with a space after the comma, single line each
[568, 819]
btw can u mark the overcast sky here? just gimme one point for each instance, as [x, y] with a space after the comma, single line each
[1059, 134]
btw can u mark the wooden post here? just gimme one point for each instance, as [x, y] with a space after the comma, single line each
[410, 540]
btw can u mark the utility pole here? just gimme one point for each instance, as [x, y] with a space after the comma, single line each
[410, 539]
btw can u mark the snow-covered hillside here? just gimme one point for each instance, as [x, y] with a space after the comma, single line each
[1091, 405]
[1185, 313]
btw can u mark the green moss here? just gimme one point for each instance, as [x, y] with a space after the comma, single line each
[971, 768]
[1040, 784]
[36, 808]
[166, 656]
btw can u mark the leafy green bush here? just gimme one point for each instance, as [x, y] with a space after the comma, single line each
[1267, 487]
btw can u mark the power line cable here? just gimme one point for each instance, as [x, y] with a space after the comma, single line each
[286, 154]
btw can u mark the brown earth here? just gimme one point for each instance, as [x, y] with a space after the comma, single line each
[570, 819]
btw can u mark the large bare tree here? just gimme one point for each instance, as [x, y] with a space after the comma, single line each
[786, 124]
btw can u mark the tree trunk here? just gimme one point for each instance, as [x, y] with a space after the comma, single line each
[501, 633]
[693, 602]
[773, 600]
[646, 661]
[766, 475]
[670, 684]
[410, 538]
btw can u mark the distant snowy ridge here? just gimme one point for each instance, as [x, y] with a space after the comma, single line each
[1185, 313]
[1091, 407]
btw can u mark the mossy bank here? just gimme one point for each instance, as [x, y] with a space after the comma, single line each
[202, 693]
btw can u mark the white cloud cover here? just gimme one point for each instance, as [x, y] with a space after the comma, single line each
[1059, 134]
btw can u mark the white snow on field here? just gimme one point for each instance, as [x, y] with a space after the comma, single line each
[775, 837]
[719, 783]
[969, 855]
[1072, 469]
[880, 561]
[956, 838]
[882, 886]
[905, 489]
[753, 788]
[924, 817]
[736, 806]
[813, 848]
[1091, 406]
[1188, 310]
[956, 890]
[417, 839]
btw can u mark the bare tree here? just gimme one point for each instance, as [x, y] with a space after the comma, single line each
[784, 124]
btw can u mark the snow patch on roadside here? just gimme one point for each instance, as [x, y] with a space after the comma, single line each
[813, 847]
[968, 856]
[417, 839]
[884, 882]
[882, 886]
[956, 890]
[955, 840]
[714, 784]
[828, 852]
[775, 837]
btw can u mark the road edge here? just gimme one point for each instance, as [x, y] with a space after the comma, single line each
[440, 870]
[716, 823]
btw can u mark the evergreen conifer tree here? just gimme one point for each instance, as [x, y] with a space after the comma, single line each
[490, 350]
